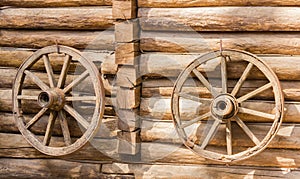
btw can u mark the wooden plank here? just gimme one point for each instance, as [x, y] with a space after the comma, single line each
[205, 3]
[127, 31]
[47, 168]
[124, 9]
[14, 57]
[129, 142]
[128, 76]
[164, 88]
[95, 40]
[128, 98]
[171, 65]
[220, 19]
[9, 74]
[31, 106]
[129, 120]
[192, 42]
[197, 171]
[57, 3]
[95, 18]
[127, 54]
[164, 132]
[159, 108]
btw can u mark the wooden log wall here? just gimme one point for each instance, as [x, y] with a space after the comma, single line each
[143, 58]
[174, 33]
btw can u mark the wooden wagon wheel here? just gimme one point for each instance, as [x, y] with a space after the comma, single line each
[226, 107]
[55, 100]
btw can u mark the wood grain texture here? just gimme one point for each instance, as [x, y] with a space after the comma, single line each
[171, 65]
[165, 132]
[192, 42]
[91, 18]
[159, 108]
[96, 40]
[14, 57]
[165, 171]
[55, 3]
[204, 3]
[220, 19]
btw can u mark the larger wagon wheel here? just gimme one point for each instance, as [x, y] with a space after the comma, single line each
[223, 109]
[56, 100]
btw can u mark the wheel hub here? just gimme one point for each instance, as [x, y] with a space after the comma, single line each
[53, 98]
[224, 106]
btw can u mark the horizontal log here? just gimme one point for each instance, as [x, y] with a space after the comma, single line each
[220, 19]
[14, 146]
[87, 18]
[169, 65]
[14, 57]
[165, 132]
[95, 40]
[160, 108]
[48, 168]
[54, 3]
[192, 42]
[204, 3]
[32, 107]
[201, 171]
[9, 74]
[108, 128]
[164, 87]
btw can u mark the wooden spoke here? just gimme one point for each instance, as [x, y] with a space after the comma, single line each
[65, 128]
[247, 130]
[256, 113]
[229, 137]
[76, 81]
[242, 79]
[210, 134]
[49, 129]
[255, 92]
[186, 124]
[205, 82]
[81, 98]
[36, 80]
[26, 97]
[224, 74]
[49, 71]
[76, 116]
[36, 118]
[64, 72]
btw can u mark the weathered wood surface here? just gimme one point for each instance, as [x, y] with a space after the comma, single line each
[192, 42]
[48, 168]
[165, 132]
[220, 19]
[198, 171]
[14, 146]
[31, 106]
[164, 87]
[14, 57]
[159, 108]
[95, 40]
[55, 3]
[8, 75]
[169, 65]
[204, 3]
[91, 18]
[108, 128]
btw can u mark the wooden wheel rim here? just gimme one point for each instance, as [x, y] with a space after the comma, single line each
[278, 96]
[93, 126]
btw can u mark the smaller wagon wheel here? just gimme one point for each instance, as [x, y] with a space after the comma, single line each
[55, 106]
[226, 109]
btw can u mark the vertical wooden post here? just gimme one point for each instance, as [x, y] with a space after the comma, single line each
[128, 78]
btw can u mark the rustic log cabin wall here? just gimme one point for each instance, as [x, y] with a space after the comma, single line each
[140, 61]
